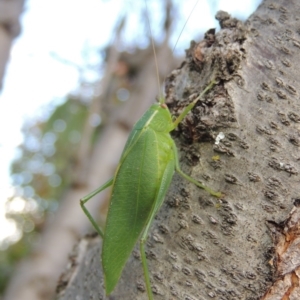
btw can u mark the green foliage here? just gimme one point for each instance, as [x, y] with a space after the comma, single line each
[41, 173]
[48, 153]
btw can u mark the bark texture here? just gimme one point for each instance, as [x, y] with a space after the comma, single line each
[10, 28]
[245, 245]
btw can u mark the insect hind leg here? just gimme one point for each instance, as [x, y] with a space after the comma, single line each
[162, 190]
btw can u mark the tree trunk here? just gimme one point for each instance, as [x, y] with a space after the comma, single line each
[244, 245]
[10, 12]
[36, 277]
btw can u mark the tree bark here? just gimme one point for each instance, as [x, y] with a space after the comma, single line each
[10, 28]
[246, 244]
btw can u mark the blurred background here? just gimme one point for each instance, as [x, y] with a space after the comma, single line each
[74, 77]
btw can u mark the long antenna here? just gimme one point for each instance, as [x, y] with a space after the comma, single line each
[161, 99]
[184, 26]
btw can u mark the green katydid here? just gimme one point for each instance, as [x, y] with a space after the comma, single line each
[139, 186]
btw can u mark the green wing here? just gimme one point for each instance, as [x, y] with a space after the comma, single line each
[133, 198]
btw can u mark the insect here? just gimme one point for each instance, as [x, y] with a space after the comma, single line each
[139, 186]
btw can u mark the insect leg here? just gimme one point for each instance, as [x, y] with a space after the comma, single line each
[162, 190]
[188, 108]
[88, 197]
[187, 177]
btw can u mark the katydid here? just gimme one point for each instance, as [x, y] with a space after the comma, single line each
[139, 186]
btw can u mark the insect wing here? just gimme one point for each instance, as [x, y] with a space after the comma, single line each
[133, 196]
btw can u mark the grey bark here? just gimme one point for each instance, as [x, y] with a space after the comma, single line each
[246, 244]
[10, 28]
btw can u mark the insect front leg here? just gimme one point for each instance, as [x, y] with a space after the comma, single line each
[188, 108]
[187, 177]
[88, 197]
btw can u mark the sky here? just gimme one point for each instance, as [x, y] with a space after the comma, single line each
[64, 29]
